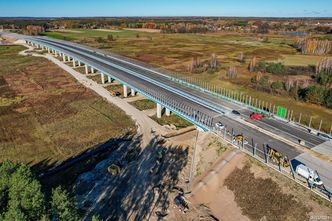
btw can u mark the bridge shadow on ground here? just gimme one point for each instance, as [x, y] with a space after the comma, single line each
[135, 192]
[52, 174]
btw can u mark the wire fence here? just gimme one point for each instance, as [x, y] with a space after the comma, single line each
[259, 152]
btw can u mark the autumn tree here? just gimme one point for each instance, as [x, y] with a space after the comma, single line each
[314, 46]
[252, 64]
[241, 58]
[33, 30]
[232, 72]
[213, 61]
[194, 64]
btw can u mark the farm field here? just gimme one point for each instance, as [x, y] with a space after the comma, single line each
[174, 52]
[46, 116]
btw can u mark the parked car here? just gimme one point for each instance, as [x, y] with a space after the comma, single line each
[220, 126]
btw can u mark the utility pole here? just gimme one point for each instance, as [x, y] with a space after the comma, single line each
[191, 174]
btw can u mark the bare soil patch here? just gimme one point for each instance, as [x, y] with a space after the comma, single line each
[263, 198]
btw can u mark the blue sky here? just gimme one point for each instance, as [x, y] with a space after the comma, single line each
[74, 8]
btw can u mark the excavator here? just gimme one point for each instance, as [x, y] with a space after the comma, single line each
[239, 138]
[277, 157]
[117, 167]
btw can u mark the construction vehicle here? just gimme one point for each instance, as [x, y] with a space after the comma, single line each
[181, 203]
[118, 166]
[277, 157]
[239, 138]
[115, 93]
[256, 116]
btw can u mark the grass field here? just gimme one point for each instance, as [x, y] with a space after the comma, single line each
[46, 115]
[143, 104]
[175, 120]
[175, 51]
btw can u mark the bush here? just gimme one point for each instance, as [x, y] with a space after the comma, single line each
[328, 98]
[323, 78]
[315, 94]
[264, 81]
[273, 68]
[277, 85]
[276, 68]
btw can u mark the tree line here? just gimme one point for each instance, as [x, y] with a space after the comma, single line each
[22, 198]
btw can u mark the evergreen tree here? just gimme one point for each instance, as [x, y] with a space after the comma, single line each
[63, 207]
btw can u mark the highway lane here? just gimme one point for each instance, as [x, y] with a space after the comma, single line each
[259, 137]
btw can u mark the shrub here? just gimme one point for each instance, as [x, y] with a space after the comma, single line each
[277, 85]
[276, 68]
[315, 94]
[328, 98]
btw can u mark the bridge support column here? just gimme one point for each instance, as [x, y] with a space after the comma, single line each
[79, 63]
[132, 92]
[74, 63]
[56, 53]
[86, 69]
[168, 112]
[49, 50]
[92, 70]
[125, 91]
[109, 79]
[159, 110]
[102, 78]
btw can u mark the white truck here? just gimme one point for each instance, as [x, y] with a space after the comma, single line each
[309, 174]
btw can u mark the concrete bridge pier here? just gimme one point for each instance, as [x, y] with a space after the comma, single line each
[102, 78]
[109, 79]
[159, 110]
[79, 63]
[92, 70]
[74, 63]
[133, 92]
[125, 91]
[168, 112]
[86, 69]
[49, 50]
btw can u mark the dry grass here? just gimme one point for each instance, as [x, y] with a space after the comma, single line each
[175, 120]
[143, 104]
[48, 115]
[259, 198]
[175, 51]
